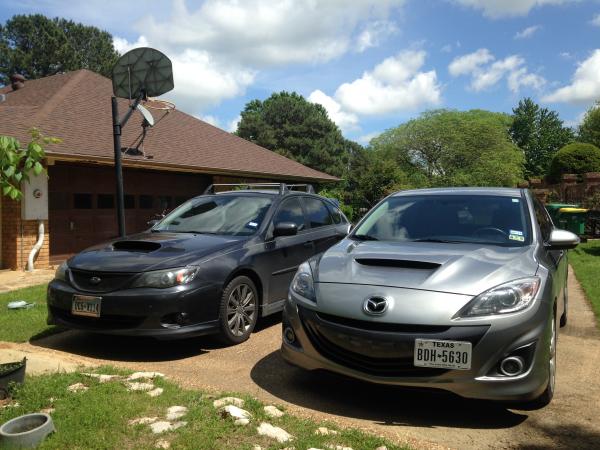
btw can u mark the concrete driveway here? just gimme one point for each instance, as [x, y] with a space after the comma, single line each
[423, 418]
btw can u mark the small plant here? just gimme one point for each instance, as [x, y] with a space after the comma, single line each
[16, 162]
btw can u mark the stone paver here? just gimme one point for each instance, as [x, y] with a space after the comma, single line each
[17, 279]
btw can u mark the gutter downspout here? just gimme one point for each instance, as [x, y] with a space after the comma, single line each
[36, 247]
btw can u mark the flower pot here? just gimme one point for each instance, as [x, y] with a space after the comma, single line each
[26, 431]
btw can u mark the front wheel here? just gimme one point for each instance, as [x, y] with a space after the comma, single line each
[546, 397]
[238, 311]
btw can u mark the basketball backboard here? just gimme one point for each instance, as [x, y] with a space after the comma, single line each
[144, 70]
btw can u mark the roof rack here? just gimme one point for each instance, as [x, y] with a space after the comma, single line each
[283, 188]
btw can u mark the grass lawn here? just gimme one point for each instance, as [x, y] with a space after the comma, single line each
[585, 260]
[98, 418]
[23, 324]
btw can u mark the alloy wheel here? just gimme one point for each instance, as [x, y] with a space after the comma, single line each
[241, 308]
[552, 361]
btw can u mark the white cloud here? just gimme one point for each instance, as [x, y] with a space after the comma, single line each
[366, 138]
[230, 126]
[585, 83]
[233, 124]
[374, 33]
[596, 20]
[565, 55]
[394, 85]
[262, 32]
[508, 8]
[527, 32]
[123, 46]
[208, 118]
[484, 73]
[345, 120]
[574, 123]
[466, 64]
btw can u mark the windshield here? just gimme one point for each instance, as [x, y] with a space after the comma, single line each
[485, 219]
[218, 214]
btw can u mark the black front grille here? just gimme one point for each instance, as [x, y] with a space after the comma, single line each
[105, 322]
[380, 349]
[89, 281]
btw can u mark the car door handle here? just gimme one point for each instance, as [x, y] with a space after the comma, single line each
[308, 244]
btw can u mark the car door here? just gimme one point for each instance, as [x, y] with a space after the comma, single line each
[323, 229]
[557, 258]
[283, 254]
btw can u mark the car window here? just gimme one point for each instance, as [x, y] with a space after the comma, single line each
[336, 214]
[317, 213]
[218, 214]
[485, 219]
[290, 211]
[543, 219]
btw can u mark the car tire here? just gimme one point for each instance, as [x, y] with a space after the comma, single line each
[238, 311]
[565, 316]
[546, 397]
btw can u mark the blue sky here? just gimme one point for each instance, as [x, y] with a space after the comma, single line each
[372, 64]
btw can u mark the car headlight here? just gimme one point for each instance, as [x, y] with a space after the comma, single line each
[61, 272]
[303, 284]
[507, 298]
[166, 278]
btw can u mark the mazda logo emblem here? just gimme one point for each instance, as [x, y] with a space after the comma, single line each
[95, 280]
[375, 305]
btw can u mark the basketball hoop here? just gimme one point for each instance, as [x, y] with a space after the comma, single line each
[158, 104]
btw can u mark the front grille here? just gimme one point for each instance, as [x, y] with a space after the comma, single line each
[109, 281]
[385, 350]
[106, 322]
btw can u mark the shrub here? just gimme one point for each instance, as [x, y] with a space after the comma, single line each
[575, 158]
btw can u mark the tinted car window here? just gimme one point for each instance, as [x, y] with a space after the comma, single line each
[486, 219]
[290, 211]
[317, 213]
[543, 219]
[218, 214]
[336, 214]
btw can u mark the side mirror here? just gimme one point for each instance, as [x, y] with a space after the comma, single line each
[562, 240]
[285, 229]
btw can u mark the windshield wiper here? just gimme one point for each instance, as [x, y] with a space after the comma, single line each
[364, 237]
[442, 241]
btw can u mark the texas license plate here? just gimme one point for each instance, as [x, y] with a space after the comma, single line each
[86, 305]
[442, 354]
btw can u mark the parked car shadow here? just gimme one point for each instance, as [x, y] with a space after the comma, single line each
[135, 349]
[384, 405]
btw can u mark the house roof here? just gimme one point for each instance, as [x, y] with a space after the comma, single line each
[76, 108]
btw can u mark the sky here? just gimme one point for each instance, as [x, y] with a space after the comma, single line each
[372, 64]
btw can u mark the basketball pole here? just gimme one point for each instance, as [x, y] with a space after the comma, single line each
[117, 127]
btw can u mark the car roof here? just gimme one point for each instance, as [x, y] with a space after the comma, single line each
[498, 191]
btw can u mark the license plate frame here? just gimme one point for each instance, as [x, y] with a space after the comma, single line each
[443, 354]
[92, 308]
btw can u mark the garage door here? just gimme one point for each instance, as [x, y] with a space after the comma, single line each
[82, 204]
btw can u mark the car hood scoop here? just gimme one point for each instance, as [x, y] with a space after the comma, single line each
[136, 246]
[153, 251]
[443, 267]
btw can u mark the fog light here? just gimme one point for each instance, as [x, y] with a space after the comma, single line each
[289, 335]
[512, 366]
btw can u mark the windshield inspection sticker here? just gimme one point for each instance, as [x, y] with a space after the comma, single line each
[515, 200]
[516, 237]
[252, 224]
[518, 233]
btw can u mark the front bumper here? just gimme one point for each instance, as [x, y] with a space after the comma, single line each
[140, 311]
[385, 354]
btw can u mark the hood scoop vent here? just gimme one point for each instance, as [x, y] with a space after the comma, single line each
[397, 263]
[136, 246]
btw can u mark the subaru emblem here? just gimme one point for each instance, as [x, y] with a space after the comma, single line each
[95, 280]
[375, 305]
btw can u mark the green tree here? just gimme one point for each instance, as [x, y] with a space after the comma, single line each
[539, 133]
[36, 46]
[453, 148]
[577, 158]
[290, 125]
[589, 129]
[17, 163]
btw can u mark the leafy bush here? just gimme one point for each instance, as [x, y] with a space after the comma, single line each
[577, 158]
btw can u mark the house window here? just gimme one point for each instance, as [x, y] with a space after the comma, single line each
[58, 201]
[146, 202]
[82, 201]
[106, 201]
[165, 202]
[129, 201]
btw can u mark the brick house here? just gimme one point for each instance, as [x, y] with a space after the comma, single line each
[181, 157]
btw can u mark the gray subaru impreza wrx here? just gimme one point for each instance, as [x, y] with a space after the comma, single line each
[457, 289]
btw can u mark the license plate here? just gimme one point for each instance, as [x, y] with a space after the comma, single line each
[86, 305]
[442, 354]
